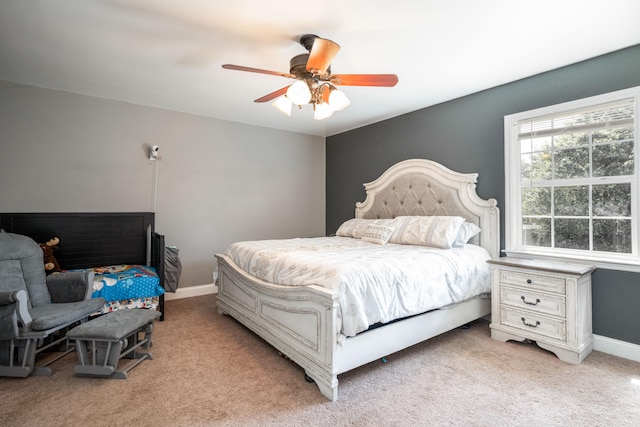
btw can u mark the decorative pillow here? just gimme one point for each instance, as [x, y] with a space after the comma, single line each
[467, 231]
[356, 227]
[379, 234]
[434, 231]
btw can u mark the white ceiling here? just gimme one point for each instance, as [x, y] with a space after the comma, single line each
[168, 53]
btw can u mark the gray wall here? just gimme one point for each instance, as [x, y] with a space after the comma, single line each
[217, 182]
[467, 135]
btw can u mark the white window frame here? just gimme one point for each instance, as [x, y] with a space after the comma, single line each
[513, 220]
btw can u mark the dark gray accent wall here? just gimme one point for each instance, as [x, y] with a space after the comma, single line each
[467, 135]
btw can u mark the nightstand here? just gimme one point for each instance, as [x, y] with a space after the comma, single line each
[545, 302]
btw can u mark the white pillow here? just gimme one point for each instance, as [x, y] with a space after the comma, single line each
[379, 234]
[467, 231]
[356, 227]
[434, 231]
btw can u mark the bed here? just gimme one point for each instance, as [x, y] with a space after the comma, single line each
[307, 320]
[122, 248]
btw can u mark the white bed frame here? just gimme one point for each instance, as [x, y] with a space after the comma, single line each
[302, 322]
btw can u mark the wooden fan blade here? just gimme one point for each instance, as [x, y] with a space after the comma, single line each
[321, 55]
[385, 80]
[256, 70]
[273, 95]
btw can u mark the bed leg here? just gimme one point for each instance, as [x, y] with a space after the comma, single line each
[328, 388]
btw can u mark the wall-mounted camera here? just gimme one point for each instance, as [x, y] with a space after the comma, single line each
[153, 152]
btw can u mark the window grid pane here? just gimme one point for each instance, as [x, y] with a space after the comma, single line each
[566, 164]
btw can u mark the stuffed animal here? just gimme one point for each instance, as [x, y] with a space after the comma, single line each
[50, 263]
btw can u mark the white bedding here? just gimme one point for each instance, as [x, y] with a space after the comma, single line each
[377, 283]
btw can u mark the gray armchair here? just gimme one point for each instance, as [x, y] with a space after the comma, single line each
[37, 310]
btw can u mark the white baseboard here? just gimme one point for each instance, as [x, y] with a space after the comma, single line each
[616, 347]
[191, 291]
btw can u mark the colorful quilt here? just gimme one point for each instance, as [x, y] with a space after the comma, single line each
[150, 303]
[124, 282]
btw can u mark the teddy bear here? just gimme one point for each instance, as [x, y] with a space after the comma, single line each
[50, 263]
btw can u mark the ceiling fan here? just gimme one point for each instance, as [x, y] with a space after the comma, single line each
[315, 83]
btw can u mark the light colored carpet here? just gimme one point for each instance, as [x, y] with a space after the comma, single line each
[208, 370]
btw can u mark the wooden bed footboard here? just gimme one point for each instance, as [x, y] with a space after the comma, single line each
[299, 321]
[302, 323]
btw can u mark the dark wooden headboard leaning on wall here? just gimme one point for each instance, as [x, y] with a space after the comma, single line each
[94, 239]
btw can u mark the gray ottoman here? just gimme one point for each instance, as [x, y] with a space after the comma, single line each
[103, 341]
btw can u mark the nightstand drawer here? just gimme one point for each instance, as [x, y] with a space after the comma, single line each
[534, 324]
[536, 281]
[533, 301]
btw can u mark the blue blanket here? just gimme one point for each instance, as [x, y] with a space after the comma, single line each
[121, 282]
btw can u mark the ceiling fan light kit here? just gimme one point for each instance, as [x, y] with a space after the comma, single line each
[299, 93]
[316, 85]
[322, 111]
[338, 100]
[283, 104]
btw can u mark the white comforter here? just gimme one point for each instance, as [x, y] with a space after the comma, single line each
[377, 283]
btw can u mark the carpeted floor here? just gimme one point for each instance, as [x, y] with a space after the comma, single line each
[208, 370]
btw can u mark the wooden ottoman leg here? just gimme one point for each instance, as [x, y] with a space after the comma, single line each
[99, 363]
[131, 350]
[102, 342]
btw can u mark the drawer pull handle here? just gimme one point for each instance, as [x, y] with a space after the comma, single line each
[529, 281]
[531, 325]
[529, 302]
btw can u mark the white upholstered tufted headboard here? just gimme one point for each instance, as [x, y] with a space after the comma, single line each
[424, 187]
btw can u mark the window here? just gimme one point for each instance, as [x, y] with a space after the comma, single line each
[572, 181]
